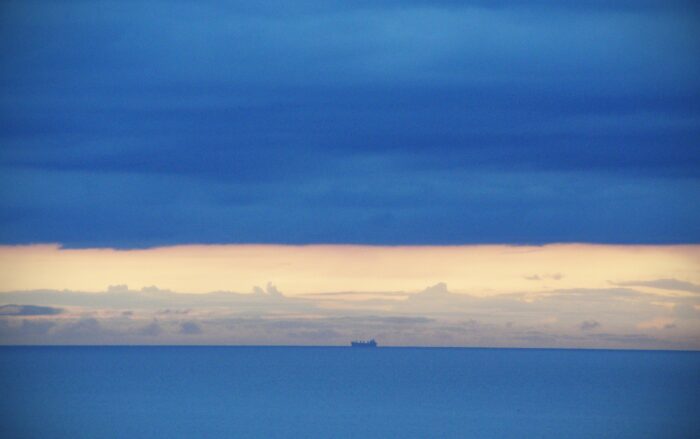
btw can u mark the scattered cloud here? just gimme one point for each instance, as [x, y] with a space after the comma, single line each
[434, 316]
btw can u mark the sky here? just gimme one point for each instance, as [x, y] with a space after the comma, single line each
[351, 147]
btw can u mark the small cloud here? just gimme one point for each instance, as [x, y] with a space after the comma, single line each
[174, 311]
[589, 325]
[269, 291]
[400, 294]
[401, 320]
[555, 276]
[686, 311]
[127, 313]
[29, 331]
[122, 288]
[29, 310]
[437, 290]
[190, 328]
[551, 320]
[36, 327]
[152, 329]
[656, 323]
[82, 327]
[154, 290]
[272, 290]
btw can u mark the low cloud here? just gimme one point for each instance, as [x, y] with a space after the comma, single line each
[36, 327]
[435, 316]
[152, 329]
[269, 299]
[657, 323]
[436, 298]
[686, 311]
[174, 311]
[190, 328]
[554, 276]
[404, 320]
[400, 294]
[269, 291]
[82, 327]
[28, 310]
[665, 284]
[589, 325]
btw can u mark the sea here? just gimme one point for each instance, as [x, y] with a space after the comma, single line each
[342, 392]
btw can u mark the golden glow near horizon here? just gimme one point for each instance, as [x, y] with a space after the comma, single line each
[479, 269]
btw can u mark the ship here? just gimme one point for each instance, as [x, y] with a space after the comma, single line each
[364, 344]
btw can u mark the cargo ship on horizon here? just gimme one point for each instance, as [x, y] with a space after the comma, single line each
[364, 344]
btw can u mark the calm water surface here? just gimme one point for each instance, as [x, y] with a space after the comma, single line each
[287, 392]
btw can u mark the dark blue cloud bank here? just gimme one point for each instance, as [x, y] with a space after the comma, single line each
[133, 124]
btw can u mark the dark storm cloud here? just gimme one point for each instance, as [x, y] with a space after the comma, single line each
[138, 124]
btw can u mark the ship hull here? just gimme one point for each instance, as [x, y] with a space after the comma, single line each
[363, 344]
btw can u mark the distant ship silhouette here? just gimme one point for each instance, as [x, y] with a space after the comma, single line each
[364, 344]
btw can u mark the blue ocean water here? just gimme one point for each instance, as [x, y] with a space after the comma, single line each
[300, 392]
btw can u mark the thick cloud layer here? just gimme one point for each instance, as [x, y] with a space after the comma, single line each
[138, 124]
